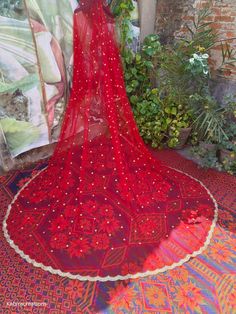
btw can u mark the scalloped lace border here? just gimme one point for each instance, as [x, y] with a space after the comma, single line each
[109, 278]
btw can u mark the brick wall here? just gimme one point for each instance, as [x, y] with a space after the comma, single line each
[172, 16]
[169, 17]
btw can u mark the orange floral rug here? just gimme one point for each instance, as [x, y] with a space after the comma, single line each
[206, 284]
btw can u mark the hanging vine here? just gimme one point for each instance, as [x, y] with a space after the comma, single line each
[122, 9]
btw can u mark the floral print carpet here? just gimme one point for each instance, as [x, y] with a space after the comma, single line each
[206, 284]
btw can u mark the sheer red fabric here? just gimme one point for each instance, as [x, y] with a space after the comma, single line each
[104, 208]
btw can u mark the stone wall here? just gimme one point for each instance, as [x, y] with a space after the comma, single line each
[172, 16]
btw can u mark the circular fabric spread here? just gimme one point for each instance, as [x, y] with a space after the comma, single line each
[104, 208]
[105, 233]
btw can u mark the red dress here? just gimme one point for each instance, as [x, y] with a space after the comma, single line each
[104, 208]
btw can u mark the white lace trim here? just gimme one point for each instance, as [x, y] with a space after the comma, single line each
[109, 278]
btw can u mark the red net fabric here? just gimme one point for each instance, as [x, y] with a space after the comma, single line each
[104, 208]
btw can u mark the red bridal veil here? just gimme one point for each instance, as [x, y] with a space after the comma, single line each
[104, 208]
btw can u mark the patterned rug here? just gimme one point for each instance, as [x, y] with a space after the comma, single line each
[206, 284]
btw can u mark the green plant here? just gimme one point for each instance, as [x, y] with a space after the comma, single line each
[202, 37]
[140, 66]
[183, 67]
[136, 74]
[135, 67]
[182, 75]
[230, 142]
[198, 64]
[122, 10]
[228, 161]
[193, 139]
[220, 156]
[208, 120]
[230, 167]
[148, 115]
[160, 114]
[176, 117]
[160, 119]
[206, 158]
[211, 118]
[228, 145]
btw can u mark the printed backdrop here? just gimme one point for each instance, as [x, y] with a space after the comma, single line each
[36, 57]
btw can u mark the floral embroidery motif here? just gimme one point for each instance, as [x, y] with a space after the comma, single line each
[84, 228]
[79, 247]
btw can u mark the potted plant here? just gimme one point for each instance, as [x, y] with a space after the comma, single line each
[178, 119]
[206, 158]
[227, 151]
[208, 145]
[230, 167]
[184, 134]
[227, 148]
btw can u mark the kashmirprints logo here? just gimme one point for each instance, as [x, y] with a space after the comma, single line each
[24, 304]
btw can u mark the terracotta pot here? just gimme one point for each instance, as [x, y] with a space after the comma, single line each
[208, 146]
[183, 137]
[226, 154]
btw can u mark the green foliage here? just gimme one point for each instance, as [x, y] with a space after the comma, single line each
[138, 66]
[159, 116]
[229, 143]
[198, 64]
[151, 47]
[230, 167]
[136, 73]
[212, 158]
[229, 163]
[160, 119]
[210, 118]
[122, 10]
[183, 69]
[168, 86]
[206, 158]
[202, 37]
[183, 66]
